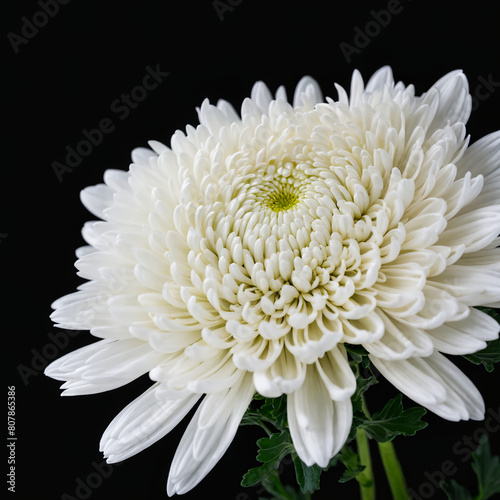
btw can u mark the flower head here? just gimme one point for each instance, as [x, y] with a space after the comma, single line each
[243, 257]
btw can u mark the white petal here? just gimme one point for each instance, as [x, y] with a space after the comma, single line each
[380, 79]
[284, 376]
[473, 286]
[435, 383]
[67, 367]
[307, 92]
[482, 157]
[455, 103]
[228, 110]
[201, 448]
[357, 89]
[262, 96]
[143, 422]
[400, 341]
[318, 425]
[96, 199]
[474, 229]
[336, 374]
[141, 156]
[465, 336]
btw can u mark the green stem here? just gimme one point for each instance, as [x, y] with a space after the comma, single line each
[365, 478]
[393, 471]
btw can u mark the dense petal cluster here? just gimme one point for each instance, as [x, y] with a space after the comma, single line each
[243, 257]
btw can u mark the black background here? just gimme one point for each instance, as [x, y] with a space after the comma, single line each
[64, 78]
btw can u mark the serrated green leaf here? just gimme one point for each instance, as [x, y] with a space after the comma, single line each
[271, 451]
[455, 491]
[487, 469]
[351, 461]
[307, 477]
[487, 356]
[392, 421]
[275, 409]
[362, 385]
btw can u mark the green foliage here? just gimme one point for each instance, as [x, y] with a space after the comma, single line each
[351, 461]
[272, 450]
[392, 421]
[455, 492]
[491, 353]
[270, 414]
[307, 477]
[487, 356]
[487, 470]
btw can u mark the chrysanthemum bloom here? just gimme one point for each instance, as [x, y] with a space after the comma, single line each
[241, 259]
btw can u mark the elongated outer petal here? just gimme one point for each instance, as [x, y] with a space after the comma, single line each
[207, 438]
[455, 102]
[103, 366]
[141, 156]
[379, 79]
[96, 199]
[319, 426]
[483, 158]
[143, 422]
[465, 336]
[435, 383]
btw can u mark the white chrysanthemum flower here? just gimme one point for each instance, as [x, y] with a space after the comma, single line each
[241, 259]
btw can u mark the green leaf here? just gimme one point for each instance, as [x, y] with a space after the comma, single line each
[487, 469]
[271, 451]
[351, 460]
[275, 409]
[357, 352]
[271, 482]
[454, 491]
[392, 421]
[307, 477]
[487, 356]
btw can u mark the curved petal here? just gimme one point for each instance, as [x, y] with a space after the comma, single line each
[143, 422]
[307, 92]
[465, 336]
[319, 426]
[435, 383]
[201, 447]
[455, 102]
